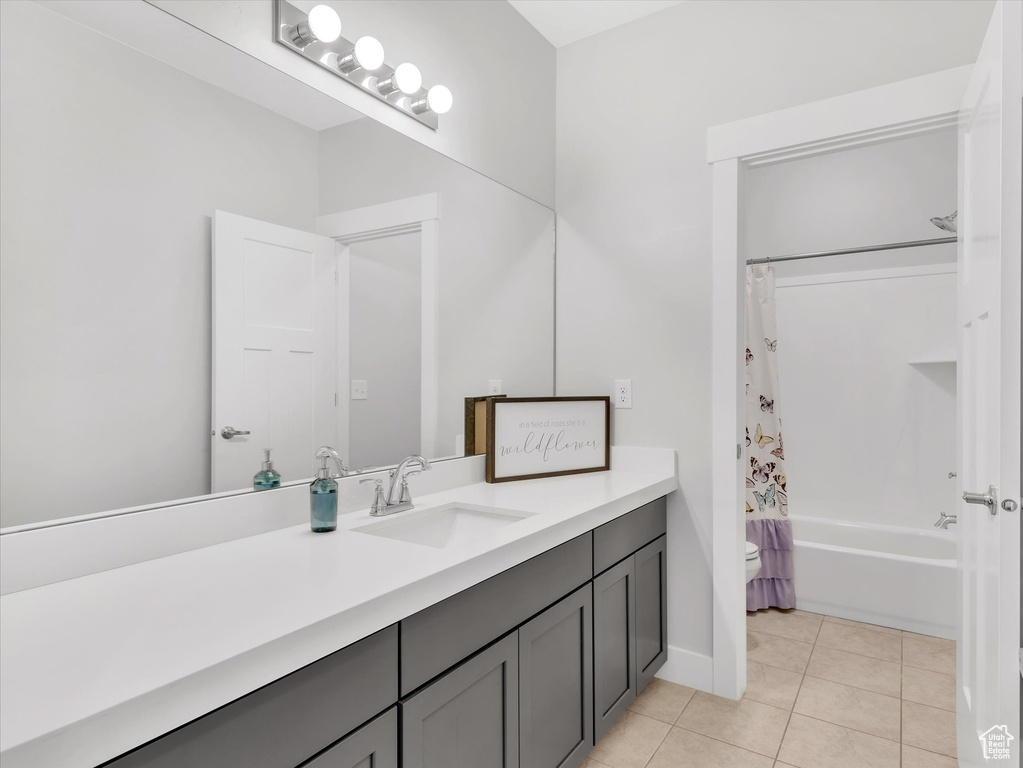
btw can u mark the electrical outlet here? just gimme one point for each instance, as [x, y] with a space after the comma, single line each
[494, 387]
[623, 393]
[358, 389]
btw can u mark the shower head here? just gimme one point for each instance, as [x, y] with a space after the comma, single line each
[947, 223]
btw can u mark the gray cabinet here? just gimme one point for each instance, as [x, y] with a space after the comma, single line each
[438, 637]
[556, 684]
[651, 610]
[375, 745]
[614, 631]
[469, 717]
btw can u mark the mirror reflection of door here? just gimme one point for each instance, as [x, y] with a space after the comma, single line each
[274, 349]
[385, 325]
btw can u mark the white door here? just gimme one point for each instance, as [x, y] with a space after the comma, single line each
[989, 394]
[273, 348]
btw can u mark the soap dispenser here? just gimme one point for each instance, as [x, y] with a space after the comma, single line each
[323, 492]
[267, 477]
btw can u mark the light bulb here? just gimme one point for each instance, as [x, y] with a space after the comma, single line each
[369, 53]
[324, 23]
[439, 99]
[407, 78]
[321, 24]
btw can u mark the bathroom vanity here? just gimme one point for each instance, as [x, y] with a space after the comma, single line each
[525, 668]
[519, 646]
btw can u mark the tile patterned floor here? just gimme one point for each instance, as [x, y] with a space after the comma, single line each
[821, 692]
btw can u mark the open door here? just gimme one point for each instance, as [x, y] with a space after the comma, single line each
[274, 329]
[988, 706]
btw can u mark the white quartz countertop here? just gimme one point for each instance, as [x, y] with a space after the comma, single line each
[94, 666]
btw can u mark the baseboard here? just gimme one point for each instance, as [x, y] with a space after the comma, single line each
[688, 668]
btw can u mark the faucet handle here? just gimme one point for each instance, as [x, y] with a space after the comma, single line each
[406, 494]
[378, 495]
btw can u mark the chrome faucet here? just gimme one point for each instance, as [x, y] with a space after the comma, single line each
[398, 498]
[945, 521]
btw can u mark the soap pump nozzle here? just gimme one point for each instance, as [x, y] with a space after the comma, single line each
[324, 455]
[267, 463]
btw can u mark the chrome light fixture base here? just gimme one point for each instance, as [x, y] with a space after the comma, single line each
[288, 21]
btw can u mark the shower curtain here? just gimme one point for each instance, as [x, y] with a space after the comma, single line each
[767, 502]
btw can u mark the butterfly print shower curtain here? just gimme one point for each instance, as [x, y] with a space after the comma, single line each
[767, 502]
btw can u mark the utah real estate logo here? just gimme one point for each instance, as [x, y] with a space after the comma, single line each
[995, 742]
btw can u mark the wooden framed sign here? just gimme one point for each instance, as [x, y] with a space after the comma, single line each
[530, 437]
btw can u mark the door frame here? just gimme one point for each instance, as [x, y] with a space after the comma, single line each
[905, 108]
[406, 216]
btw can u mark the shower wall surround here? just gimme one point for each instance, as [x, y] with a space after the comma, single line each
[868, 341]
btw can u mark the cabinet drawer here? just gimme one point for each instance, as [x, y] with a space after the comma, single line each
[438, 637]
[618, 539]
[375, 745]
[289, 720]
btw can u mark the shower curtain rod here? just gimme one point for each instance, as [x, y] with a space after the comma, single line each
[862, 249]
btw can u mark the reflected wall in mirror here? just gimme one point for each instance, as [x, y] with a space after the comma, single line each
[176, 259]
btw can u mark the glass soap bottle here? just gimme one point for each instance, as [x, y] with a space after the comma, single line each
[323, 493]
[267, 477]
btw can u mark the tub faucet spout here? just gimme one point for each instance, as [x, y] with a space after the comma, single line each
[945, 521]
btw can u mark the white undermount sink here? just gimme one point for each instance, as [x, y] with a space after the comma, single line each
[448, 525]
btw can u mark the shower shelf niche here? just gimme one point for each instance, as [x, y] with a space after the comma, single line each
[944, 359]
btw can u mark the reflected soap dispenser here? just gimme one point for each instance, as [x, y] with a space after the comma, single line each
[323, 492]
[267, 477]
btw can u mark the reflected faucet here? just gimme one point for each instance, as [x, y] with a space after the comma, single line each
[945, 521]
[401, 473]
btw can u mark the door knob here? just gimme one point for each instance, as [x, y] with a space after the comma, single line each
[228, 432]
[989, 499]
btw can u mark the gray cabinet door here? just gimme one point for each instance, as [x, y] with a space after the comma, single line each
[469, 717]
[651, 610]
[375, 745]
[614, 633]
[556, 684]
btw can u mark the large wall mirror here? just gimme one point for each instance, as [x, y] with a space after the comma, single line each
[180, 254]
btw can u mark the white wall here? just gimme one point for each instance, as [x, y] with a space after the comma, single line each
[111, 165]
[869, 436]
[634, 206]
[385, 318]
[495, 264]
[882, 193]
[498, 67]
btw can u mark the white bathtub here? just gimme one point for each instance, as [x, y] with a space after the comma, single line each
[881, 574]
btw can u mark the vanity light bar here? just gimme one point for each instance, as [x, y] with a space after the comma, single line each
[317, 36]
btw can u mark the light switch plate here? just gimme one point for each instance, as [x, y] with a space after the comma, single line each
[358, 389]
[494, 387]
[622, 393]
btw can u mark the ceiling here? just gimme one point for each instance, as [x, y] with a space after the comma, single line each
[565, 21]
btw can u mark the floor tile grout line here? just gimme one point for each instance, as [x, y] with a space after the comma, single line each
[858, 688]
[654, 753]
[855, 730]
[728, 743]
[788, 720]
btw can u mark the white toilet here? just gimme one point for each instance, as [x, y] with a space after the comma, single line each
[752, 561]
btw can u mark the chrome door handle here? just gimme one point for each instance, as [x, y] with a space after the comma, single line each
[989, 499]
[228, 432]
